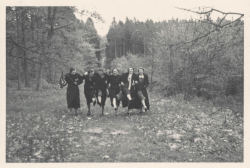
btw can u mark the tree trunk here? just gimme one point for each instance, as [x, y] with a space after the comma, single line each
[124, 50]
[19, 50]
[46, 44]
[19, 73]
[51, 21]
[171, 71]
[115, 50]
[144, 47]
[25, 64]
[40, 67]
[39, 77]
[54, 74]
[152, 73]
[50, 72]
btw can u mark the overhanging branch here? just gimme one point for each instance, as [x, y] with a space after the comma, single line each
[210, 11]
[217, 26]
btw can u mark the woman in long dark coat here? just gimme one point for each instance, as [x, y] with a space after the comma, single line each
[115, 92]
[89, 90]
[141, 88]
[130, 97]
[73, 79]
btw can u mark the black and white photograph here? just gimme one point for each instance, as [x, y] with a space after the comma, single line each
[125, 82]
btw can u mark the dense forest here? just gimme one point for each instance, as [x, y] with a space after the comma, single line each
[182, 55]
[201, 57]
[43, 42]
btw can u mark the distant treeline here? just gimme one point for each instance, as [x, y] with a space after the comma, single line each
[188, 56]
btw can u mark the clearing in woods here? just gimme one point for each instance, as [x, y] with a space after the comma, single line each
[39, 129]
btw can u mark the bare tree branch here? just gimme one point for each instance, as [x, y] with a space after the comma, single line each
[210, 11]
[210, 22]
[60, 27]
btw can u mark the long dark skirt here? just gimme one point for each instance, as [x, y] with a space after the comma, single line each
[115, 92]
[89, 93]
[135, 103]
[73, 96]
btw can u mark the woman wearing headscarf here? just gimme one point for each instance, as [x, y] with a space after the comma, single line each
[115, 92]
[73, 79]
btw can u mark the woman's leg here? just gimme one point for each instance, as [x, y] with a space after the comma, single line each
[70, 110]
[129, 111]
[115, 104]
[102, 109]
[88, 104]
[99, 96]
[128, 94]
[76, 112]
[94, 100]
[119, 96]
[142, 98]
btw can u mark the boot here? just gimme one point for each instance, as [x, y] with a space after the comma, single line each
[129, 112]
[89, 113]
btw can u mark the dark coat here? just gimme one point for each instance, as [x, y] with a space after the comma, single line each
[115, 88]
[73, 95]
[115, 82]
[124, 79]
[89, 90]
[101, 82]
[101, 85]
[135, 103]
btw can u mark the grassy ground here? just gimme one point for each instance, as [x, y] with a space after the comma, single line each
[39, 129]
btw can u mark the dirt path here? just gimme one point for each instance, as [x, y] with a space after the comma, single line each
[39, 129]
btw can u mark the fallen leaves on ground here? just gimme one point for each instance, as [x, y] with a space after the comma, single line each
[40, 129]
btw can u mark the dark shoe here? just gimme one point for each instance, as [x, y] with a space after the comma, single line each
[129, 112]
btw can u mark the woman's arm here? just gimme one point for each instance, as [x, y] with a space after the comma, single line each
[62, 81]
[68, 79]
[80, 79]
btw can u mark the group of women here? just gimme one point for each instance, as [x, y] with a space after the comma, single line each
[128, 89]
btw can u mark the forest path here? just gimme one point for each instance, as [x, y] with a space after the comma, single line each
[39, 129]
